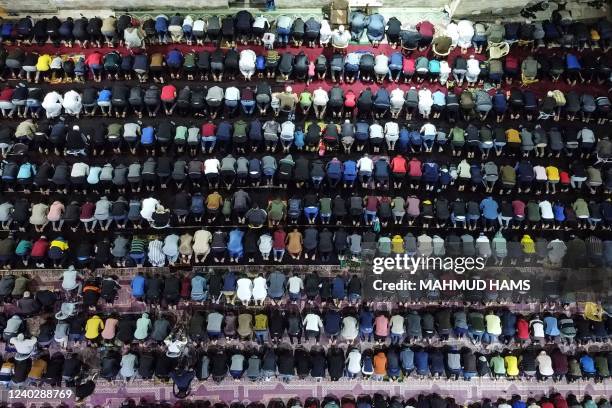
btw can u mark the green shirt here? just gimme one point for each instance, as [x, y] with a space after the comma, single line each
[181, 133]
[325, 205]
[276, 210]
[533, 211]
[240, 128]
[138, 245]
[114, 129]
[581, 208]
[476, 321]
[305, 99]
[497, 365]
[190, 60]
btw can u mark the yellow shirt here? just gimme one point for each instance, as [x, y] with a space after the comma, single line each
[63, 245]
[44, 62]
[511, 365]
[93, 326]
[39, 367]
[552, 173]
[513, 136]
[397, 244]
[528, 244]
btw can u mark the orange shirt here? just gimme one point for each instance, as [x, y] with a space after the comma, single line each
[380, 363]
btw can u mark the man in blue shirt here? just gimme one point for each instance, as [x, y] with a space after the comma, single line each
[138, 286]
[234, 245]
[421, 362]
[366, 324]
[490, 212]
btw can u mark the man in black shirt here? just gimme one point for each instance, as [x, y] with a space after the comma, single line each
[365, 103]
[219, 363]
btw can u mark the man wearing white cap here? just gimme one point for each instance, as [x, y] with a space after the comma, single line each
[340, 38]
[288, 101]
[22, 345]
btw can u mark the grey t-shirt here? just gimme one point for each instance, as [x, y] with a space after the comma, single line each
[214, 322]
[5, 211]
[237, 362]
[228, 163]
[241, 200]
[268, 163]
[242, 165]
[161, 329]
[120, 247]
[128, 365]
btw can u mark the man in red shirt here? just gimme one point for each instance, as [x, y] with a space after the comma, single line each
[94, 62]
[209, 137]
[278, 244]
[6, 106]
[168, 98]
[519, 213]
[39, 251]
[415, 172]
[399, 168]
[427, 30]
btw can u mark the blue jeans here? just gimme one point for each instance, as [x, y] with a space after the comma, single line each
[368, 216]
[476, 335]
[311, 213]
[366, 333]
[261, 336]
[208, 142]
[248, 107]
[283, 34]
[138, 258]
[325, 217]
[489, 338]
[279, 253]
[396, 338]
[213, 335]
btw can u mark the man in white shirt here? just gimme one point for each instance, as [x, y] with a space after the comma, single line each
[340, 38]
[544, 364]
[148, 208]
[466, 32]
[70, 280]
[295, 285]
[397, 102]
[260, 287]
[381, 67]
[312, 325]
[72, 103]
[246, 64]
[353, 363]
[260, 26]
[211, 171]
[52, 104]
[264, 244]
[22, 345]
[244, 290]
[365, 166]
[232, 98]
[425, 102]
[199, 31]
[320, 97]
[391, 134]
[349, 328]
[473, 70]
[546, 212]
